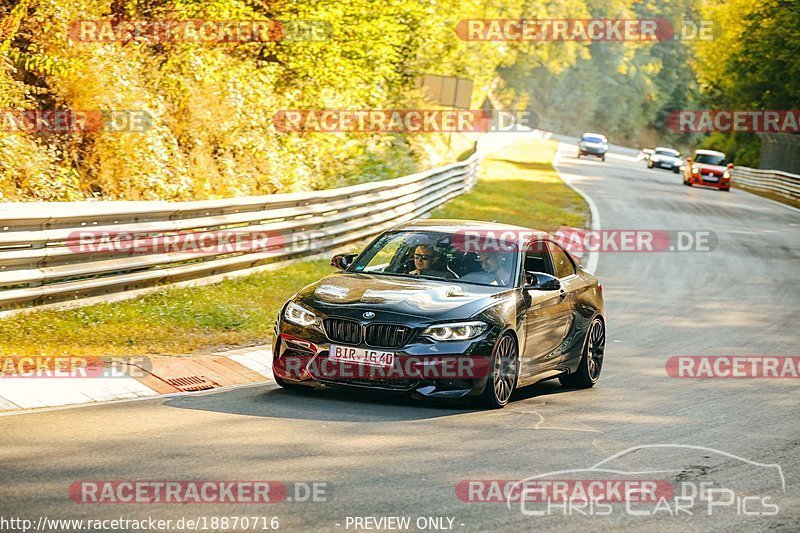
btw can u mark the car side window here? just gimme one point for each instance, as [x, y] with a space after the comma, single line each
[561, 262]
[537, 258]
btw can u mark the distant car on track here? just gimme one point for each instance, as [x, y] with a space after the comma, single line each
[419, 296]
[645, 154]
[594, 144]
[709, 168]
[667, 158]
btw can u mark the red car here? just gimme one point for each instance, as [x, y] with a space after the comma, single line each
[708, 168]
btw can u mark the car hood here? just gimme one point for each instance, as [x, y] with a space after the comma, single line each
[345, 293]
[660, 157]
[716, 170]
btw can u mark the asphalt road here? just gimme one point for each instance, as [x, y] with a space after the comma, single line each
[384, 456]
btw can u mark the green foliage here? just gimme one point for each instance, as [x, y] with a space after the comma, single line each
[212, 103]
[628, 90]
[741, 148]
[624, 89]
[754, 63]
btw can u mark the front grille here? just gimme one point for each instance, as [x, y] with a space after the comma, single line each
[341, 330]
[388, 335]
[381, 383]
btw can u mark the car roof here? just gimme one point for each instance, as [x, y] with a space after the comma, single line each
[666, 148]
[593, 134]
[449, 225]
[709, 152]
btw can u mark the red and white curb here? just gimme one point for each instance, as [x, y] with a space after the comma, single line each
[163, 377]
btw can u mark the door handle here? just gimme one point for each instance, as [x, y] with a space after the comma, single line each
[562, 295]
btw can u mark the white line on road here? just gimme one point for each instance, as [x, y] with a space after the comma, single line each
[593, 256]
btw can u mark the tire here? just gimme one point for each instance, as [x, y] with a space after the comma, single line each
[686, 183]
[591, 363]
[603, 157]
[676, 171]
[726, 190]
[503, 379]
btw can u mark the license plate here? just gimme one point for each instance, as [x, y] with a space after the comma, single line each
[710, 178]
[360, 356]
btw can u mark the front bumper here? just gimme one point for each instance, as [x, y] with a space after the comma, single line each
[721, 183]
[589, 150]
[665, 164]
[433, 369]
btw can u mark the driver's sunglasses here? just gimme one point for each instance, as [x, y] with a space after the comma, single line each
[423, 257]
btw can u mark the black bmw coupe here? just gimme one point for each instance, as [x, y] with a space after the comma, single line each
[446, 309]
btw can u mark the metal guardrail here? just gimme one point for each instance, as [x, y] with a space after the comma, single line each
[42, 261]
[776, 181]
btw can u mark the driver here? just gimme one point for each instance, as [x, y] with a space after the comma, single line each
[424, 258]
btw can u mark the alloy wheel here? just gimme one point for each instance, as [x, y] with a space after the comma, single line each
[595, 349]
[504, 373]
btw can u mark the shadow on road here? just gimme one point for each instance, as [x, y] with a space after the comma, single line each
[326, 404]
[341, 405]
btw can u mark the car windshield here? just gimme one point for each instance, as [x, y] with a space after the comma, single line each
[709, 159]
[592, 139]
[462, 257]
[671, 153]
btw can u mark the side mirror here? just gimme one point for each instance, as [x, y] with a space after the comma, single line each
[730, 166]
[342, 261]
[539, 281]
[688, 160]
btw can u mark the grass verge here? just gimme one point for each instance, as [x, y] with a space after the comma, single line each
[517, 185]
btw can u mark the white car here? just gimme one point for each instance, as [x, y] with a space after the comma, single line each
[594, 144]
[665, 158]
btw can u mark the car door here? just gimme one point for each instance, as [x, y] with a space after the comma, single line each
[567, 274]
[545, 315]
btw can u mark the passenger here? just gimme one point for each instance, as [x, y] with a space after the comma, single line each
[494, 270]
[494, 263]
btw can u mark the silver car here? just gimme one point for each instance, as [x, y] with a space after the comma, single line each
[665, 158]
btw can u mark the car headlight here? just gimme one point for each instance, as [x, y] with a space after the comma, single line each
[297, 314]
[695, 170]
[726, 174]
[457, 331]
